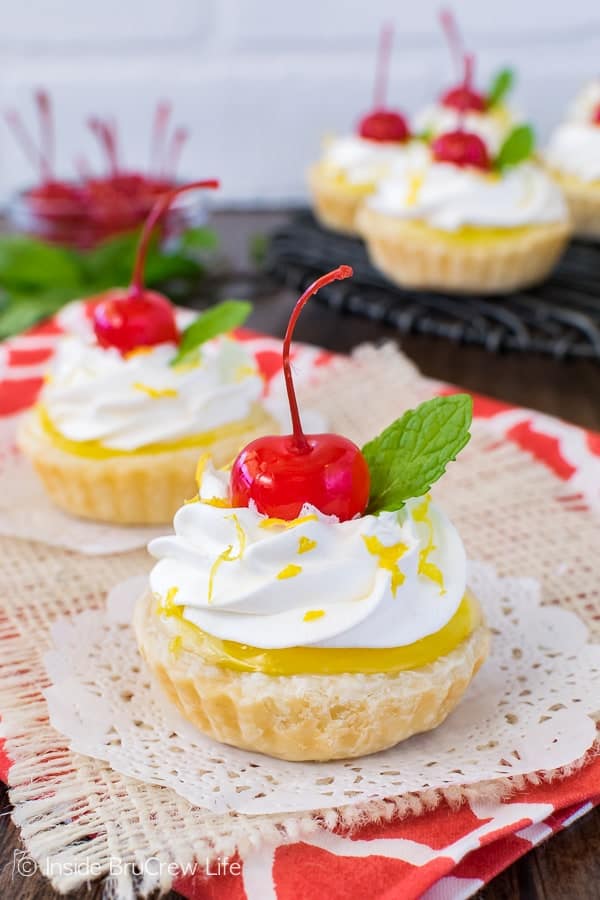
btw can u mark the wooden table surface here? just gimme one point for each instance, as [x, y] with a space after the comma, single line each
[567, 866]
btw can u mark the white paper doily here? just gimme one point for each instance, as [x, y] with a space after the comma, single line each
[527, 710]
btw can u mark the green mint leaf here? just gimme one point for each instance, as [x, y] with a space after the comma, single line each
[38, 278]
[413, 452]
[29, 264]
[200, 238]
[20, 311]
[257, 249]
[161, 268]
[111, 263]
[217, 320]
[517, 147]
[501, 84]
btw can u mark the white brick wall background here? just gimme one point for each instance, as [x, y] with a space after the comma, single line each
[259, 82]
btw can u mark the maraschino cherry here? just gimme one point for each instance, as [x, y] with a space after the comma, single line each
[85, 212]
[279, 474]
[382, 124]
[461, 148]
[596, 116]
[133, 317]
[464, 97]
[127, 321]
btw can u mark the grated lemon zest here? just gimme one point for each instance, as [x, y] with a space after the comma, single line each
[154, 393]
[243, 372]
[227, 555]
[289, 572]
[387, 558]
[305, 545]
[138, 351]
[415, 184]
[287, 523]
[313, 614]
[169, 607]
[175, 645]
[425, 567]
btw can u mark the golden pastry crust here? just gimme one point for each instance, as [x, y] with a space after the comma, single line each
[335, 204]
[140, 489]
[304, 717]
[413, 255]
[583, 200]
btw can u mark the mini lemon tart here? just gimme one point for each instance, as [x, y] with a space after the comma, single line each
[352, 165]
[573, 159]
[465, 221]
[310, 638]
[312, 604]
[117, 438]
[121, 420]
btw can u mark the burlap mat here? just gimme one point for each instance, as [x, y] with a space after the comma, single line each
[510, 510]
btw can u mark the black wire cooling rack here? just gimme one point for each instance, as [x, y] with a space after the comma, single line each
[560, 317]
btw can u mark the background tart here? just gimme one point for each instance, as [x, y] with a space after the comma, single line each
[474, 260]
[142, 487]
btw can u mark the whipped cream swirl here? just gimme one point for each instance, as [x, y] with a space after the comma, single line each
[448, 197]
[586, 103]
[95, 394]
[363, 161]
[574, 149]
[374, 581]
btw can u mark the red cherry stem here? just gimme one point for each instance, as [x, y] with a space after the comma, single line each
[15, 123]
[180, 136]
[467, 86]
[465, 62]
[157, 211]
[33, 153]
[83, 167]
[338, 274]
[46, 132]
[41, 157]
[161, 119]
[469, 67]
[112, 145]
[382, 70]
[106, 134]
[453, 37]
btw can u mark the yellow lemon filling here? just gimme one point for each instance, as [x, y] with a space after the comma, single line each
[338, 179]
[573, 181]
[502, 115]
[467, 234]
[97, 450]
[320, 660]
